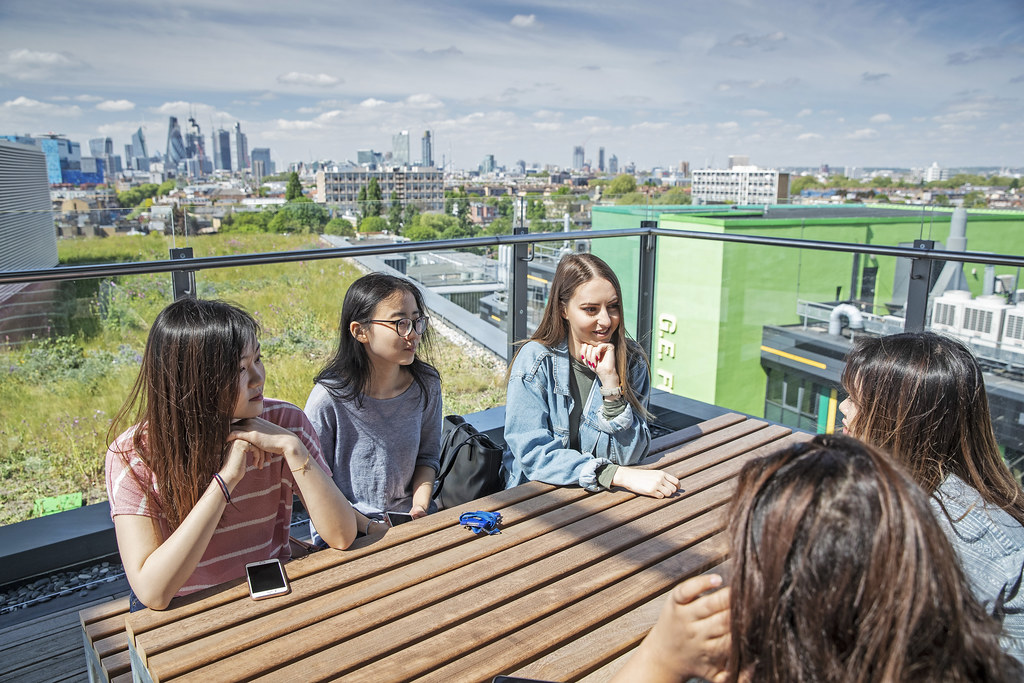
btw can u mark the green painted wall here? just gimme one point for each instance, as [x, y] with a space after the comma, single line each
[713, 298]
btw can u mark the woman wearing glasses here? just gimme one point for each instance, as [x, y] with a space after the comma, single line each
[376, 406]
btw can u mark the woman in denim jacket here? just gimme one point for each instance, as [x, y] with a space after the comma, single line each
[576, 410]
[922, 397]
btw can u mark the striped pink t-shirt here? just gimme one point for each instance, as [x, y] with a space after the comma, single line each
[254, 528]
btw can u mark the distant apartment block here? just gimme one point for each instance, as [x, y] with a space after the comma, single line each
[935, 172]
[423, 187]
[741, 185]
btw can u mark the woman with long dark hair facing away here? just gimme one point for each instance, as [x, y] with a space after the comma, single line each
[203, 482]
[376, 405]
[841, 573]
[576, 408]
[921, 397]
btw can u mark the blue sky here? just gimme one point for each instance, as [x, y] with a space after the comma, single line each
[787, 83]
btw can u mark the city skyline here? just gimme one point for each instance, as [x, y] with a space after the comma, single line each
[786, 84]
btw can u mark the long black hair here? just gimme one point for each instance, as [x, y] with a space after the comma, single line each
[347, 374]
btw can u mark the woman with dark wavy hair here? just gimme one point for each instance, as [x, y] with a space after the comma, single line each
[921, 397]
[203, 481]
[841, 574]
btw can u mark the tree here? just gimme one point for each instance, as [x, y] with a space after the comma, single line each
[339, 226]
[306, 217]
[621, 185]
[535, 209]
[361, 201]
[409, 215]
[631, 198]
[881, 181]
[676, 195]
[975, 199]
[166, 187]
[374, 198]
[499, 226]
[294, 189]
[247, 221]
[804, 182]
[373, 224]
[395, 214]
[505, 206]
[420, 233]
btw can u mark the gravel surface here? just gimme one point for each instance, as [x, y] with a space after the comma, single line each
[58, 584]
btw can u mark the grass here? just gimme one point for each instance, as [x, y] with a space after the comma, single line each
[58, 396]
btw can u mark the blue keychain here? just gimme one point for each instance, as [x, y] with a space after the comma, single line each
[476, 522]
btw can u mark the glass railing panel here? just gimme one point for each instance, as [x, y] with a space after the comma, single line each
[62, 388]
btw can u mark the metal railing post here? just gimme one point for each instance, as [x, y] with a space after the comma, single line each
[183, 282]
[645, 306]
[518, 271]
[918, 289]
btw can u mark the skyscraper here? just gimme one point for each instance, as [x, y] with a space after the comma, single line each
[222, 150]
[262, 155]
[400, 149]
[577, 157]
[101, 147]
[195, 148]
[175, 144]
[427, 152]
[613, 165]
[600, 159]
[139, 158]
[241, 148]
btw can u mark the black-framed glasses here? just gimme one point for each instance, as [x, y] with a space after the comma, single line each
[403, 326]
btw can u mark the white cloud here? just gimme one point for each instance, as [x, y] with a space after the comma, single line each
[372, 103]
[25, 105]
[881, 118]
[804, 112]
[284, 124]
[424, 101]
[317, 80]
[88, 98]
[863, 134]
[116, 105]
[806, 137]
[727, 126]
[524, 20]
[31, 65]
[754, 112]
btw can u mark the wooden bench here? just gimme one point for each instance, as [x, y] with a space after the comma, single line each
[106, 642]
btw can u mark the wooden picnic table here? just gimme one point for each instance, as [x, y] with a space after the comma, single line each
[567, 589]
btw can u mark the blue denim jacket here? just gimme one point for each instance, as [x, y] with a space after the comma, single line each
[990, 545]
[537, 411]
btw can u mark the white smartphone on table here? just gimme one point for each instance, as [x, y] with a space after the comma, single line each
[266, 579]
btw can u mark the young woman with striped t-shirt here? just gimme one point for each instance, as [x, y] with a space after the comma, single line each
[203, 482]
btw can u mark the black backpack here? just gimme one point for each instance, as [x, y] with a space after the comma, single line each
[470, 464]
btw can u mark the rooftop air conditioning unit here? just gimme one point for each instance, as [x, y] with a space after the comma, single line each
[948, 311]
[983, 318]
[1013, 327]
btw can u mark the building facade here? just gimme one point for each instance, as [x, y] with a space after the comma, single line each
[740, 185]
[423, 187]
[427, 149]
[400, 149]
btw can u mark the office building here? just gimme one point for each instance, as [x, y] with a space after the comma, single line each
[613, 165]
[222, 150]
[28, 240]
[239, 149]
[136, 154]
[103, 148]
[427, 151]
[600, 159]
[488, 165]
[262, 155]
[175, 144]
[740, 185]
[577, 158]
[738, 160]
[418, 185]
[400, 149]
[935, 172]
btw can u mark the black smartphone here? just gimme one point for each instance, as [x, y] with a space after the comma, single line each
[396, 518]
[266, 579]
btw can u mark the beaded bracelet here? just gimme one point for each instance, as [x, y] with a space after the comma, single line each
[223, 487]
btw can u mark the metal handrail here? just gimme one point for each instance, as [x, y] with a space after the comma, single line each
[208, 262]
